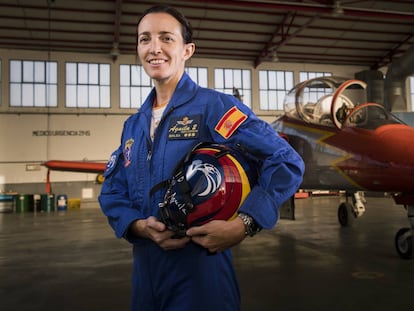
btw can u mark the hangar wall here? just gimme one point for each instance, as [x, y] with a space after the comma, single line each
[28, 140]
[31, 136]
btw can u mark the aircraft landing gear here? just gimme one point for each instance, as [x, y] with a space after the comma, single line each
[404, 239]
[347, 212]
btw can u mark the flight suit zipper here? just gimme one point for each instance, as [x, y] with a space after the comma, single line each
[149, 149]
[150, 144]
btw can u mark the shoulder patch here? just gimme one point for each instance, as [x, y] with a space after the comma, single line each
[112, 162]
[127, 151]
[230, 122]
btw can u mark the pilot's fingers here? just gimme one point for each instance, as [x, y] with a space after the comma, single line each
[196, 231]
[170, 244]
[155, 224]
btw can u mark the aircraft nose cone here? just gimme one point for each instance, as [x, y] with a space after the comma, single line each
[397, 141]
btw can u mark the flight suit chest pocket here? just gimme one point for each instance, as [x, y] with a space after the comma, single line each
[184, 127]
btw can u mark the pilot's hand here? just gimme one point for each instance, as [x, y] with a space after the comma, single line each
[218, 235]
[151, 228]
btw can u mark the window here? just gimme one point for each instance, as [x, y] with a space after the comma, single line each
[227, 79]
[307, 75]
[87, 85]
[199, 75]
[273, 86]
[33, 83]
[135, 85]
[315, 93]
[0, 83]
[412, 92]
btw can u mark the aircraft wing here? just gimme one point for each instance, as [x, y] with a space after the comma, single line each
[76, 166]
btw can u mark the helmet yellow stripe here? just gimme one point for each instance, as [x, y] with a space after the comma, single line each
[244, 180]
[243, 176]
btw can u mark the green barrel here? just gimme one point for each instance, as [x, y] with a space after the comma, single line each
[24, 203]
[47, 203]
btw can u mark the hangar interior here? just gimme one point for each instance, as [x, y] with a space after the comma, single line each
[55, 53]
[63, 46]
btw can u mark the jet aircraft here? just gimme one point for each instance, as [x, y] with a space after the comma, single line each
[351, 145]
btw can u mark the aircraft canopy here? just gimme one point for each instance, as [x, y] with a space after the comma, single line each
[331, 101]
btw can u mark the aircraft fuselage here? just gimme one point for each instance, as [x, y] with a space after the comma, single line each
[353, 158]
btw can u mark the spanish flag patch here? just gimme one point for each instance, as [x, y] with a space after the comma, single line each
[229, 123]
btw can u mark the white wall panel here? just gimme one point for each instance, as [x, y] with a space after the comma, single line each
[33, 139]
[16, 140]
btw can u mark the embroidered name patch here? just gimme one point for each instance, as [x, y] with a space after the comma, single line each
[229, 123]
[184, 127]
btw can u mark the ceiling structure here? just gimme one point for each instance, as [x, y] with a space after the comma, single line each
[347, 32]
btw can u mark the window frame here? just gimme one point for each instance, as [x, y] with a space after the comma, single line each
[277, 94]
[312, 75]
[95, 83]
[244, 88]
[198, 74]
[133, 86]
[30, 85]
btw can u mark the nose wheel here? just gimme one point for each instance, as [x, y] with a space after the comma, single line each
[346, 214]
[347, 211]
[404, 240]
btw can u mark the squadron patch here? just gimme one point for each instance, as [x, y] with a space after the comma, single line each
[127, 151]
[186, 127]
[112, 163]
[230, 122]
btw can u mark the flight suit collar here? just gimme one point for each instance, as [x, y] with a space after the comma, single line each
[184, 92]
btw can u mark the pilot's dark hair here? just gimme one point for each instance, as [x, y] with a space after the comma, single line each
[186, 29]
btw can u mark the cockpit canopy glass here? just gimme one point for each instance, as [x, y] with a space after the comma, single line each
[318, 100]
[370, 116]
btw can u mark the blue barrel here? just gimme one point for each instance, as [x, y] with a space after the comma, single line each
[48, 203]
[62, 202]
[6, 203]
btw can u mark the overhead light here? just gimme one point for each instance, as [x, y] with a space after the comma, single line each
[115, 52]
[337, 9]
[275, 58]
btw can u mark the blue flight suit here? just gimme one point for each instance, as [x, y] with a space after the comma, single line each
[190, 278]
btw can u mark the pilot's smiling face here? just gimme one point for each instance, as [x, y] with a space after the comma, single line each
[161, 48]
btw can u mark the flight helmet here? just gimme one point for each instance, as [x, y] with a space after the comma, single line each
[210, 183]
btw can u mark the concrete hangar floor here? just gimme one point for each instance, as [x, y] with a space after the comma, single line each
[72, 261]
